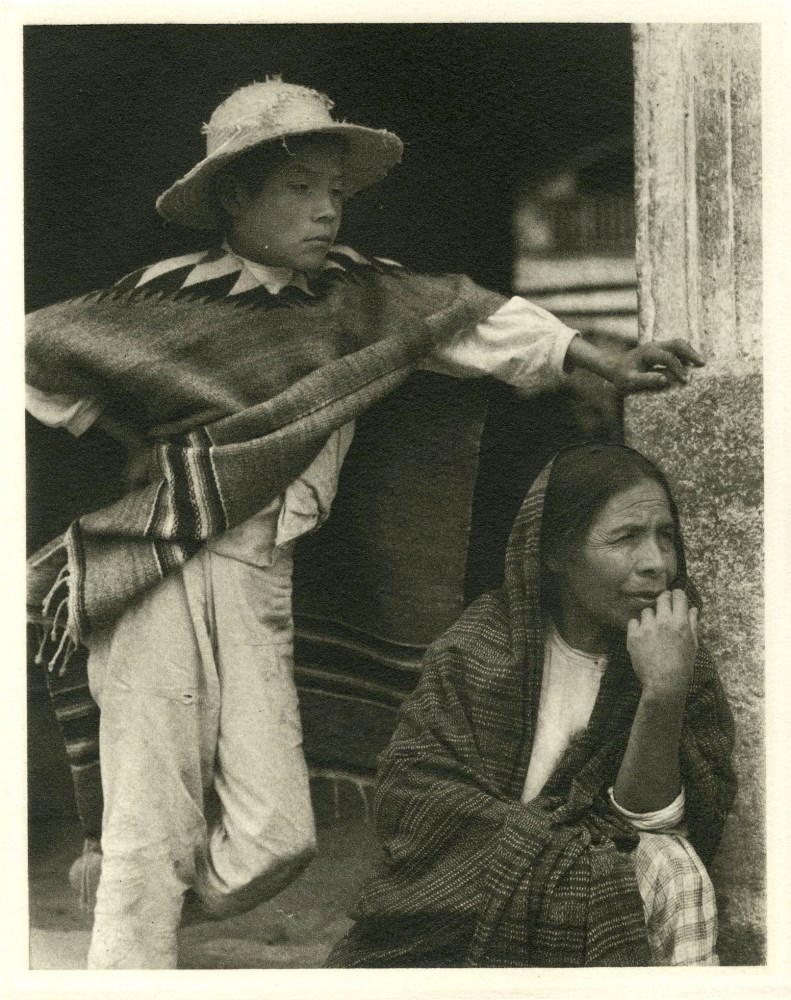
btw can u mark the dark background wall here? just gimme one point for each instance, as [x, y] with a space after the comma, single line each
[113, 115]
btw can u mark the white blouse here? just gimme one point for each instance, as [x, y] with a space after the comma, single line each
[569, 686]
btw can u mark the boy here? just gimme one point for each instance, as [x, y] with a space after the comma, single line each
[188, 618]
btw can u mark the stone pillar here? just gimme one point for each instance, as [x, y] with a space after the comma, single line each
[698, 203]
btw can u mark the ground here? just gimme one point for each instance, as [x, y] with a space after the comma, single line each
[294, 931]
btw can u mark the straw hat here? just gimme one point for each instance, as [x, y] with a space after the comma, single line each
[262, 112]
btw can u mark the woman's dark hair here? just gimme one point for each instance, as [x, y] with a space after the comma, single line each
[251, 168]
[582, 480]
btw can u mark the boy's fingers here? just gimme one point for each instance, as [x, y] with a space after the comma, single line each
[682, 350]
[653, 354]
[639, 381]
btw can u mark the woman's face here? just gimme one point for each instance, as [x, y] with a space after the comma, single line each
[627, 558]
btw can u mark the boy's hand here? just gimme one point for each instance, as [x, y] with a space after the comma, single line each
[651, 366]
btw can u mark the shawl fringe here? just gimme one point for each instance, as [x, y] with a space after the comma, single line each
[471, 874]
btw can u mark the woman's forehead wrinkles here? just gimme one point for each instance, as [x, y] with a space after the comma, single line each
[634, 508]
[638, 507]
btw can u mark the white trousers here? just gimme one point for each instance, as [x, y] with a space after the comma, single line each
[205, 783]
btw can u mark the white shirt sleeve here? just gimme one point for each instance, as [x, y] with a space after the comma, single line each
[58, 409]
[667, 818]
[521, 344]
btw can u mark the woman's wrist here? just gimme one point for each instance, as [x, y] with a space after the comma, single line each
[667, 703]
[649, 776]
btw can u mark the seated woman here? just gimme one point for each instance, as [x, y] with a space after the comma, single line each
[561, 774]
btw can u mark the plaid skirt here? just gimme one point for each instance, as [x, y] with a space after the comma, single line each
[678, 901]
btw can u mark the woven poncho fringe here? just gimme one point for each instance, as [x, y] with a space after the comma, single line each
[237, 396]
[472, 876]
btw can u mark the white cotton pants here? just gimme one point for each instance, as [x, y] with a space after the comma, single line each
[205, 783]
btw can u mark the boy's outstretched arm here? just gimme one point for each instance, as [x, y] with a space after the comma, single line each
[647, 366]
[532, 350]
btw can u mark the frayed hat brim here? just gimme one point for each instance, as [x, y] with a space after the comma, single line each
[190, 200]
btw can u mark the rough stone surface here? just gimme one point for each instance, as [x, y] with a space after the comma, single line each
[708, 439]
[698, 200]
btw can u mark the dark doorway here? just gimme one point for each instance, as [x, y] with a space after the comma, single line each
[113, 114]
[112, 118]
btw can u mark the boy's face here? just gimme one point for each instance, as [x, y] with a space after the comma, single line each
[292, 221]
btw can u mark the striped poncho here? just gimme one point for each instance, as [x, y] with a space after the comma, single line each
[472, 875]
[236, 395]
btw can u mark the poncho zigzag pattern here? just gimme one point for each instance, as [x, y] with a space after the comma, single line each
[236, 389]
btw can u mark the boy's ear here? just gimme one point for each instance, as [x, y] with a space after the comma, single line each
[230, 194]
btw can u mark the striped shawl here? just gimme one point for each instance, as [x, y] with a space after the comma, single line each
[472, 876]
[236, 394]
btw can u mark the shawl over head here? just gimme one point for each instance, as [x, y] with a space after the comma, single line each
[473, 876]
[237, 395]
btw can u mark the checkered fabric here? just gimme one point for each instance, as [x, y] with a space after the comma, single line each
[678, 901]
[473, 876]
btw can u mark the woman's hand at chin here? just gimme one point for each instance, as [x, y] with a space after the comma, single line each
[662, 645]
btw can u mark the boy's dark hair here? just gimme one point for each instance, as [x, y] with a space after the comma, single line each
[251, 168]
